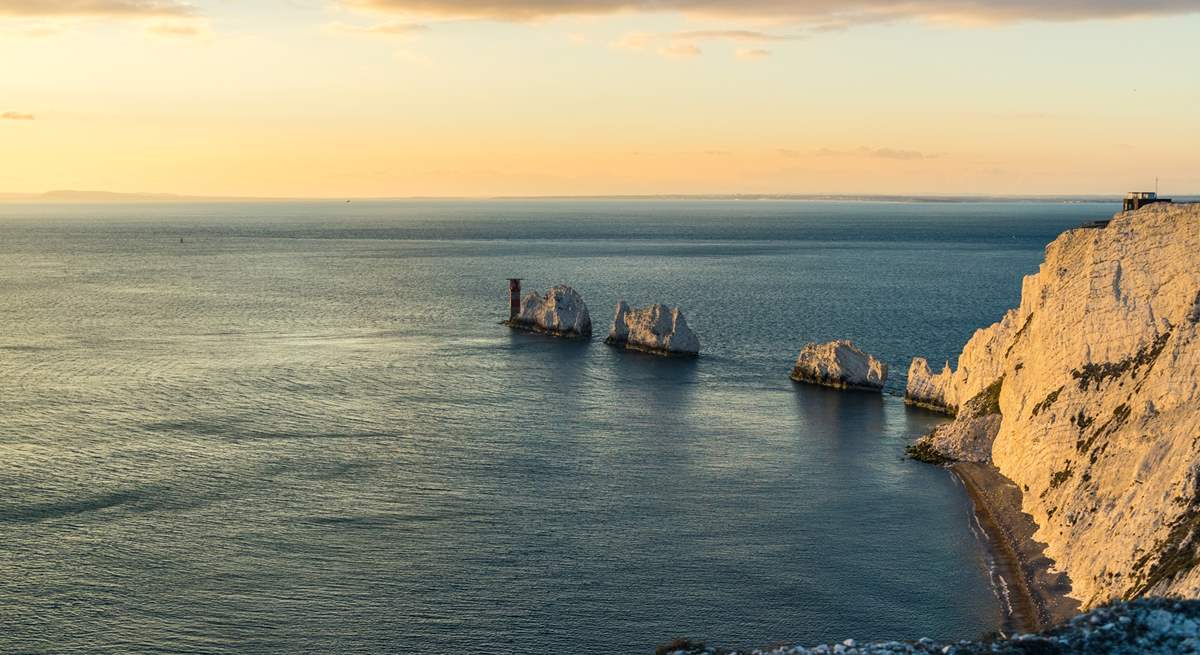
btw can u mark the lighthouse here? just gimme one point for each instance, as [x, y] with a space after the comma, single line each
[514, 298]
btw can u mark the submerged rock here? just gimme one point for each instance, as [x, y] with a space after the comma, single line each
[657, 329]
[841, 365]
[561, 312]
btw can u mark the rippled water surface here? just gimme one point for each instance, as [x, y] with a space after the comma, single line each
[299, 428]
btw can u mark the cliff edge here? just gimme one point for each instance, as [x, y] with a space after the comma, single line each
[1087, 396]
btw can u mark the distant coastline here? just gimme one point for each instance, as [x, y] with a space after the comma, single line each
[68, 196]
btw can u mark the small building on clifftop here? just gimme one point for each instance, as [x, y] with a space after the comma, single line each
[1135, 200]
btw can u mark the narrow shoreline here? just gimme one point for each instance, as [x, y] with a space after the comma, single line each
[1034, 595]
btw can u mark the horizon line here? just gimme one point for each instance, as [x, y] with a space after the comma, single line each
[71, 196]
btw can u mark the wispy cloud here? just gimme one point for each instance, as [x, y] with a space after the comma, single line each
[875, 153]
[176, 29]
[410, 57]
[750, 54]
[731, 35]
[823, 14]
[381, 29]
[30, 30]
[16, 116]
[684, 44]
[95, 8]
[680, 50]
[636, 41]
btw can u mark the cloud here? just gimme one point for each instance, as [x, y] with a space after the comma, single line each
[874, 153]
[382, 29]
[823, 14]
[15, 116]
[176, 29]
[30, 31]
[636, 41]
[680, 50]
[95, 8]
[410, 57]
[749, 54]
[730, 35]
[683, 44]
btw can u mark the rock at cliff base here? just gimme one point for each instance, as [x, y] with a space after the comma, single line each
[657, 329]
[841, 365]
[561, 313]
[924, 389]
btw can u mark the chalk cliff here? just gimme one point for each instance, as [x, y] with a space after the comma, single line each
[1088, 397]
[839, 364]
[657, 329]
[561, 312]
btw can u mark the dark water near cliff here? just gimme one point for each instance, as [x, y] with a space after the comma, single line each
[302, 429]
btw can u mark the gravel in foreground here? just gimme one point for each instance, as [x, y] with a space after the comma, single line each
[1140, 626]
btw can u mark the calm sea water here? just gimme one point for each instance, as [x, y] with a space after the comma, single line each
[302, 430]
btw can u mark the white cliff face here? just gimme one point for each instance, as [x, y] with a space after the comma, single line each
[560, 312]
[839, 364]
[1098, 375]
[655, 329]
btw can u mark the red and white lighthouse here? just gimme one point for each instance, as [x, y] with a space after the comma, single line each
[514, 298]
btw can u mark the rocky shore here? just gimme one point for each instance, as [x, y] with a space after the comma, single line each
[1140, 627]
[1034, 595]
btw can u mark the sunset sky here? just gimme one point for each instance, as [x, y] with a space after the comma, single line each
[390, 98]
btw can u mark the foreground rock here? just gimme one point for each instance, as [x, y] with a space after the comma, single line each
[657, 329]
[561, 312]
[841, 365]
[1138, 627]
[1096, 381]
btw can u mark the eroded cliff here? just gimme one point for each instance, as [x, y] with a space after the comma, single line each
[1096, 381]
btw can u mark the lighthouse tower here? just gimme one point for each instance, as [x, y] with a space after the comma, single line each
[514, 298]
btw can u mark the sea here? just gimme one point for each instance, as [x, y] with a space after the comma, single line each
[299, 427]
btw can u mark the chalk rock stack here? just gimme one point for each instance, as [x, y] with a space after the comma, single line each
[1096, 387]
[926, 389]
[657, 329]
[841, 365]
[561, 312]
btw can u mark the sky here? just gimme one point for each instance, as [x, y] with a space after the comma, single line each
[395, 98]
